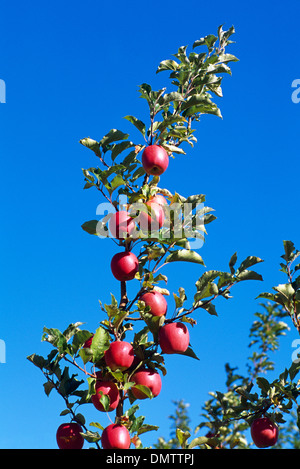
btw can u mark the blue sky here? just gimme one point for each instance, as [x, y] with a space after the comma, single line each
[72, 70]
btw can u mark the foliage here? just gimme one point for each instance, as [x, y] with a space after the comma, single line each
[226, 416]
[122, 182]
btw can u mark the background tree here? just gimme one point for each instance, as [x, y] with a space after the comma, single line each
[226, 416]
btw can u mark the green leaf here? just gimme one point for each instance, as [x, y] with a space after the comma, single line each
[173, 148]
[56, 338]
[249, 275]
[37, 360]
[147, 428]
[86, 355]
[91, 144]
[100, 343]
[91, 437]
[145, 390]
[210, 289]
[167, 65]
[196, 100]
[185, 255]
[96, 425]
[68, 384]
[205, 278]
[248, 262]
[208, 40]
[71, 330]
[182, 437]
[169, 97]
[48, 386]
[224, 58]
[294, 369]
[189, 353]
[113, 136]
[195, 199]
[79, 339]
[116, 182]
[119, 147]
[204, 108]
[263, 384]
[289, 250]
[211, 309]
[91, 227]
[232, 262]
[203, 440]
[105, 400]
[137, 123]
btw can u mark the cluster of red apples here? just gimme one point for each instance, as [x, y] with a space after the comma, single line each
[173, 337]
[122, 224]
[125, 265]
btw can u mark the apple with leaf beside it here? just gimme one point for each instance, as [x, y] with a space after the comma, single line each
[156, 301]
[108, 388]
[149, 378]
[154, 218]
[121, 225]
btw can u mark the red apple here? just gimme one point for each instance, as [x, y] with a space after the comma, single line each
[124, 265]
[108, 388]
[121, 224]
[115, 436]
[153, 219]
[119, 355]
[156, 301]
[149, 378]
[155, 160]
[159, 199]
[68, 436]
[174, 337]
[264, 432]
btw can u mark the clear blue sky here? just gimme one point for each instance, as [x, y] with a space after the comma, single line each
[72, 70]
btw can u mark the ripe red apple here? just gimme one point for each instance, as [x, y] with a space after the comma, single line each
[156, 301]
[68, 436]
[159, 199]
[264, 432]
[154, 219]
[155, 160]
[174, 337]
[149, 378]
[121, 224]
[119, 355]
[124, 265]
[108, 388]
[115, 436]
